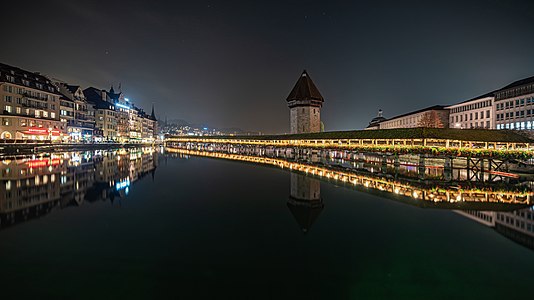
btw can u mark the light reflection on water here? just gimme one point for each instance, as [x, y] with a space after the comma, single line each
[32, 186]
[505, 206]
[196, 228]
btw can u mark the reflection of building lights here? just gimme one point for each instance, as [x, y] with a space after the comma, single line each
[122, 184]
[374, 183]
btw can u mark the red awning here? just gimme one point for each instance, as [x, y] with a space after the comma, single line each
[41, 131]
[36, 131]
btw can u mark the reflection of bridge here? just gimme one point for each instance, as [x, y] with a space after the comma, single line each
[481, 197]
[484, 161]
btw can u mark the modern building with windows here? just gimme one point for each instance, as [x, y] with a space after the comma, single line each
[30, 105]
[473, 113]
[514, 105]
[434, 116]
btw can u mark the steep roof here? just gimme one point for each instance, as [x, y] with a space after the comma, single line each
[153, 115]
[94, 96]
[305, 89]
[26, 78]
[519, 83]
[72, 88]
[112, 95]
[435, 107]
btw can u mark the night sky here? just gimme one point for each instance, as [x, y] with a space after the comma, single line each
[232, 64]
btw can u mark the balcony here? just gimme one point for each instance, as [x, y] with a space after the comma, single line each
[34, 105]
[30, 96]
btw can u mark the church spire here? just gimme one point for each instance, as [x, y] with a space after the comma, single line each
[153, 115]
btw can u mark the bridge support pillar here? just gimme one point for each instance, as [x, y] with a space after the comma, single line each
[421, 167]
[384, 163]
[447, 169]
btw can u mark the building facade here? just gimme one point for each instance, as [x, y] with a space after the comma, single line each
[105, 115]
[77, 113]
[305, 102]
[435, 116]
[474, 113]
[514, 105]
[30, 106]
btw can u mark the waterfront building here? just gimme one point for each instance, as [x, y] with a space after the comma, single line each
[305, 102]
[123, 112]
[434, 116]
[30, 106]
[77, 113]
[105, 114]
[514, 105]
[473, 113]
[375, 122]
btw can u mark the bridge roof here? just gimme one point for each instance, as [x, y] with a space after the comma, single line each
[472, 135]
[305, 89]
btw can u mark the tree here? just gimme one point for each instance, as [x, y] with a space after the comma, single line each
[430, 119]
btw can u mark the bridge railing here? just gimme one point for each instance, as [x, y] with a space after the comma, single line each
[355, 143]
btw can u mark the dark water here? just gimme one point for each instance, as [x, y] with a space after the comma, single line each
[142, 225]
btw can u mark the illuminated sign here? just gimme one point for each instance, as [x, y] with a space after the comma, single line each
[38, 163]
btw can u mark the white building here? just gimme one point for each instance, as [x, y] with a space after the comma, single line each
[414, 119]
[473, 113]
[514, 105]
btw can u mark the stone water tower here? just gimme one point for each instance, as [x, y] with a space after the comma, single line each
[305, 102]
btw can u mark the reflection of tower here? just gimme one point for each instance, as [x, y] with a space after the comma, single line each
[305, 201]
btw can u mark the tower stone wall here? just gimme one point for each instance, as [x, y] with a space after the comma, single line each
[305, 119]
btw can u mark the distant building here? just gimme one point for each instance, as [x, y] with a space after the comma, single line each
[514, 105]
[305, 102]
[434, 116]
[29, 106]
[473, 113]
[375, 122]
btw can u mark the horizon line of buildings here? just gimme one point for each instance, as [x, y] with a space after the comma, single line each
[37, 108]
[510, 107]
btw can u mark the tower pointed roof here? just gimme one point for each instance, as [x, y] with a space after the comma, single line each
[305, 89]
[152, 114]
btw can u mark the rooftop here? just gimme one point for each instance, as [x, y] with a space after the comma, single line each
[305, 89]
[435, 107]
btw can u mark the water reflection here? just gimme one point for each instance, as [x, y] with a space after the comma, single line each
[33, 186]
[503, 205]
[305, 202]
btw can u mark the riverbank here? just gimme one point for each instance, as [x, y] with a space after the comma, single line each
[13, 149]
